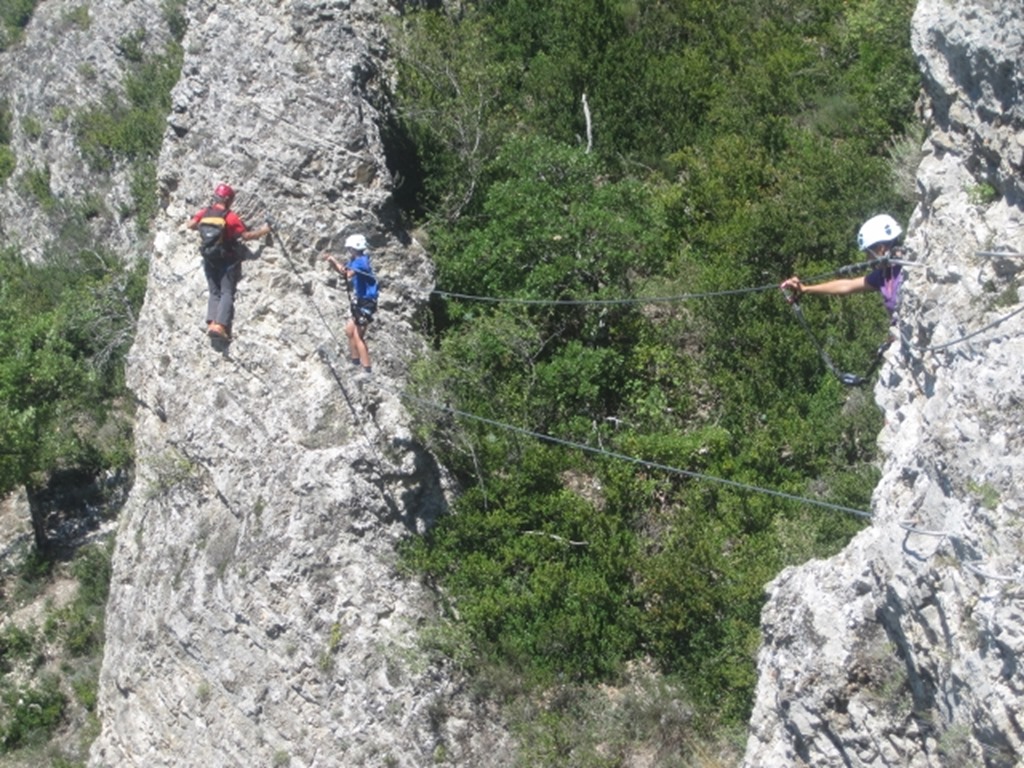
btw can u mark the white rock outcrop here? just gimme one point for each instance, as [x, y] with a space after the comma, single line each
[904, 650]
[257, 616]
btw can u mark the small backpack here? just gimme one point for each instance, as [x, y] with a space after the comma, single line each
[212, 244]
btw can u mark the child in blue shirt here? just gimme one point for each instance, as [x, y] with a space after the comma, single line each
[358, 271]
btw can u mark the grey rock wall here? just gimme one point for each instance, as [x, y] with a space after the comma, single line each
[904, 650]
[257, 615]
[70, 56]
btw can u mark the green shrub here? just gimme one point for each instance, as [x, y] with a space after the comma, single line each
[32, 127]
[733, 145]
[31, 714]
[143, 184]
[982, 194]
[79, 625]
[36, 182]
[174, 15]
[86, 688]
[5, 123]
[131, 45]
[78, 17]
[545, 595]
[115, 130]
[88, 71]
[131, 127]
[15, 643]
[14, 17]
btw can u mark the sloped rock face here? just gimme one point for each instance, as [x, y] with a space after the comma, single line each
[70, 55]
[904, 650]
[257, 615]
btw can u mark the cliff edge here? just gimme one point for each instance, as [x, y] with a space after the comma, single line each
[904, 649]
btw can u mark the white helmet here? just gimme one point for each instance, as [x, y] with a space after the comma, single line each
[878, 229]
[356, 243]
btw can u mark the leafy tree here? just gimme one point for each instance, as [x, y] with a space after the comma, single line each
[64, 328]
[543, 577]
[451, 105]
[734, 144]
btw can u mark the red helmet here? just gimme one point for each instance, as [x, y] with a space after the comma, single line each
[224, 192]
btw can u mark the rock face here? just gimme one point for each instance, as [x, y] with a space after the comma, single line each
[904, 650]
[256, 615]
[71, 54]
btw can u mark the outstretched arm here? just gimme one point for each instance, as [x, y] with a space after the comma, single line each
[253, 234]
[337, 265]
[841, 287]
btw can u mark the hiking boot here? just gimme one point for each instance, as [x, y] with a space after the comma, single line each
[216, 329]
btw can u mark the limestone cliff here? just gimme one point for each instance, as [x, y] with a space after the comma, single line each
[72, 56]
[256, 615]
[904, 650]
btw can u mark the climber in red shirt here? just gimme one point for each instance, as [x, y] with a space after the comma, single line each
[222, 233]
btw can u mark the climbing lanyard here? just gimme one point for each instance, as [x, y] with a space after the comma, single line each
[848, 379]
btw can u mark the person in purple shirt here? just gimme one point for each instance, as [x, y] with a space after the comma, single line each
[879, 237]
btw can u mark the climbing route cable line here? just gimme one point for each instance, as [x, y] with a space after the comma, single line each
[972, 566]
[602, 302]
[846, 378]
[841, 271]
[321, 352]
[693, 475]
[967, 336]
[609, 454]
[327, 144]
[578, 446]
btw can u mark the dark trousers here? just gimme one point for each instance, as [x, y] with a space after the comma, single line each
[223, 282]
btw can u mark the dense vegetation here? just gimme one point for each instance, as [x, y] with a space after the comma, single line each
[67, 319]
[36, 700]
[128, 125]
[720, 147]
[65, 326]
